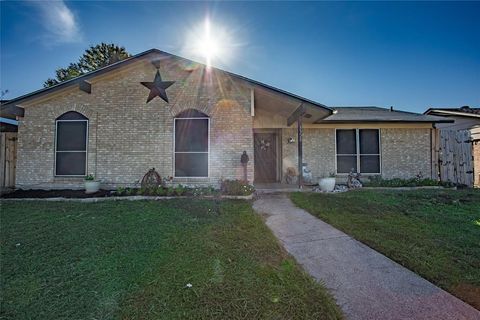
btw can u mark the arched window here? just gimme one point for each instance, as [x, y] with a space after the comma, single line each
[192, 144]
[71, 144]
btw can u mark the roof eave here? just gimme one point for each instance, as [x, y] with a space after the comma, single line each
[77, 80]
[108, 68]
[451, 113]
[382, 121]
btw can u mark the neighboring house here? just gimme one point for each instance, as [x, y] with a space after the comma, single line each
[465, 118]
[194, 122]
[8, 143]
[8, 122]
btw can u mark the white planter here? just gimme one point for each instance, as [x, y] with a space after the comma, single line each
[327, 184]
[92, 186]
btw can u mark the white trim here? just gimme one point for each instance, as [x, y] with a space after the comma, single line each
[357, 155]
[455, 113]
[9, 121]
[175, 152]
[252, 102]
[56, 151]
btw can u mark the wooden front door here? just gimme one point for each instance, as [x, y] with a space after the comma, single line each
[265, 157]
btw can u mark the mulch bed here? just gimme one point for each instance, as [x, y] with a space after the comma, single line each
[22, 194]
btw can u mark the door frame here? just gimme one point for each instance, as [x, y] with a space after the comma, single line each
[278, 150]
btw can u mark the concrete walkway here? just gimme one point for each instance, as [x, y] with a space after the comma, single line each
[365, 283]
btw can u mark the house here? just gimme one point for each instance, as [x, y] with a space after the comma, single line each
[193, 123]
[464, 118]
[8, 143]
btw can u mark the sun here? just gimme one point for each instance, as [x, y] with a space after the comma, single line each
[212, 43]
[208, 46]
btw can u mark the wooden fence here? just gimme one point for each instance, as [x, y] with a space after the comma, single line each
[455, 157]
[8, 159]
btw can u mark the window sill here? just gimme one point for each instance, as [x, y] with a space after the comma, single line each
[190, 179]
[362, 174]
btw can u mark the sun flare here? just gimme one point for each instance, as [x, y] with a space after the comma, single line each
[212, 43]
[208, 46]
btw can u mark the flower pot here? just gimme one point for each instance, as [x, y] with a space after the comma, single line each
[92, 186]
[327, 184]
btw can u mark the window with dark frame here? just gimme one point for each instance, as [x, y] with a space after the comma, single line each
[71, 144]
[358, 150]
[191, 144]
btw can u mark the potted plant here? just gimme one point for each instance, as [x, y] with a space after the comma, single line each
[91, 185]
[327, 184]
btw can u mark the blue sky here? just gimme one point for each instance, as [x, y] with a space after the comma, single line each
[410, 55]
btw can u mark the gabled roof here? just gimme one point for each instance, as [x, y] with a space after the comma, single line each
[376, 114]
[10, 105]
[464, 111]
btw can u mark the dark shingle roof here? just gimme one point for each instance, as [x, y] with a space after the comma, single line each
[376, 114]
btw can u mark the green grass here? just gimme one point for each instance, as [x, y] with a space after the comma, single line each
[133, 260]
[435, 233]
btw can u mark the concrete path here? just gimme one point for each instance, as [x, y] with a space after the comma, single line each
[365, 283]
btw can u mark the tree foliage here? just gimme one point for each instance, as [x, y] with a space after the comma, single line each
[93, 58]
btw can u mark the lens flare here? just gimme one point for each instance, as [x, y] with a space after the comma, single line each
[210, 43]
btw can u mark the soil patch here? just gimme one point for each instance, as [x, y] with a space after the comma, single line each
[22, 194]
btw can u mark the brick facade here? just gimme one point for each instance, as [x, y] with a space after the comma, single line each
[405, 152]
[128, 136]
[476, 163]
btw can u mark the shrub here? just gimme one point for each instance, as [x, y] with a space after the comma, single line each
[180, 190]
[120, 191]
[378, 181]
[236, 188]
[160, 191]
[130, 192]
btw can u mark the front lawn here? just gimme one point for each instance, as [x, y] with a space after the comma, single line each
[135, 260]
[435, 233]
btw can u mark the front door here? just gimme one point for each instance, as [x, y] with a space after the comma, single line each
[265, 157]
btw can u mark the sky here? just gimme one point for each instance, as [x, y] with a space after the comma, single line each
[410, 55]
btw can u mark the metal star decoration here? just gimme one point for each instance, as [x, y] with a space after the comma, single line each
[157, 87]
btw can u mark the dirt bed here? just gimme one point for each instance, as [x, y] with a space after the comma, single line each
[22, 194]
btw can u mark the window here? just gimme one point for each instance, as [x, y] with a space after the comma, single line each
[71, 144]
[358, 150]
[192, 144]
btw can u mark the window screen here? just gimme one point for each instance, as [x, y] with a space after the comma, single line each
[369, 141]
[369, 151]
[71, 145]
[346, 151]
[191, 135]
[358, 150]
[191, 147]
[346, 142]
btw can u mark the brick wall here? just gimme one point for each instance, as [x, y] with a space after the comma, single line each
[405, 152]
[318, 150]
[476, 163]
[128, 136]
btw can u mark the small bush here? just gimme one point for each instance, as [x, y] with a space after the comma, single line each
[160, 191]
[180, 190]
[204, 191]
[130, 192]
[236, 188]
[378, 181]
[120, 191]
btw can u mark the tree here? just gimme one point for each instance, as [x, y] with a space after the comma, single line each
[94, 58]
